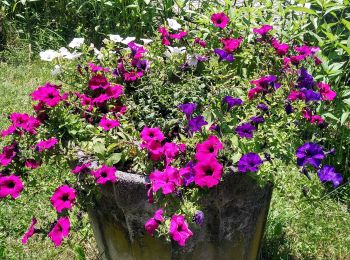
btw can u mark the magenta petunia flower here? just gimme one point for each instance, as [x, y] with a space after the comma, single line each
[155, 150]
[47, 94]
[326, 92]
[281, 48]
[309, 153]
[167, 180]
[114, 91]
[60, 231]
[195, 124]
[180, 35]
[63, 198]
[150, 134]
[46, 144]
[307, 114]
[98, 81]
[200, 42]
[179, 230]
[153, 223]
[30, 232]
[101, 100]
[245, 130]
[219, 20]
[9, 131]
[137, 50]
[253, 92]
[306, 50]
[295, 95]
[32, 164]
[265, 82]
[95, 68]
[105, 174]
[328, 174]
[249, 162]
[263, 30]
[296, 59]
[231, 44]
[208, 172]
[171, 150]
[108, 124]
[25, 122]
[209, 148]
[11, 185]
[8, 154]
[84, 168]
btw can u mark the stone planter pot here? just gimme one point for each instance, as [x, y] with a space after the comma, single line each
[235, 215]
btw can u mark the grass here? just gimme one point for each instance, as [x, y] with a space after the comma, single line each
[304, 222]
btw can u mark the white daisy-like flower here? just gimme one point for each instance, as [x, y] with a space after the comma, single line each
[48, 55]
[76, 43]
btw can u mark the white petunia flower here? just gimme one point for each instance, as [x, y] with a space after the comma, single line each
[56, 70]
[76, 43]
[48, 55]
[65, 54]
[115, 38]
[173, 24]
[146, 41]
[191, 60]
[127, 40]
[174, 51]
[98, 54]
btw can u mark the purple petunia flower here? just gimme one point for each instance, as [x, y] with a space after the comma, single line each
[327, 174]
[305, 79]
[232, 102]
[309, 153]
[198, 217]
[257, 119]
[288, 108]
[223, 55]
[265, 82]
[249, 162]
[195, 124]
[245, 130]
[263, 107]
[188, 108]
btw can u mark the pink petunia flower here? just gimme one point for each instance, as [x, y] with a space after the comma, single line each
[281, 48]
[208, 172]
[60, 231]
[11, 185]
[263, 30]
[9, 131]
[151, 134]
[114, 91]
[98, 81]
[167, 180]
[108, 124]
[231, 44]
[30, 232]
[46, 144]
[47, 94]
[152, 224]
[8, 153]
[180, 35]
[81, 168]
[209, 148]
[95, 68]
[63, 198]
[171, 150]
[105, 174]
[326, 92]
[155, 150]
[179, 230]
[220, 20]
[32, 164]
[25, 122]
[253, 92]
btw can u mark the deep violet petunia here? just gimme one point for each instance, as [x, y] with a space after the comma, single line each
[167, 180]
[208, 172]
[152, 224]
[46, 144]
[143, 65]
[224, 55]
[231, 44]
[249, 162]
[326, 92]
[305, 79]
[263, 30]
[63, 198]
[232, 102]
[108, 124]
[263, 107]
[179, 230]
[309, 153]
[209, 148]
[219, 20]
[195, 124]
[187, 174]
[105, 174]
[30, 232]
[188, 108]
[245, 130]
[328, 174]
[60, 231]
[11, 186]
[198, 217]
[257, 119]
[288, 108]
[311, 95]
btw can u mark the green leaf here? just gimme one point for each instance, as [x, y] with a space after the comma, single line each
[337, 7]
[114, 158]
[79, 253]
[147, 2]
[99, 148]
[346, 23]
[301, 9]
[343, 118]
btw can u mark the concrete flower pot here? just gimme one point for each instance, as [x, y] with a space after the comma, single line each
[235, 215]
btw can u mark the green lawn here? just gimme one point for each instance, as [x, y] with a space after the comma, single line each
[311, 226]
